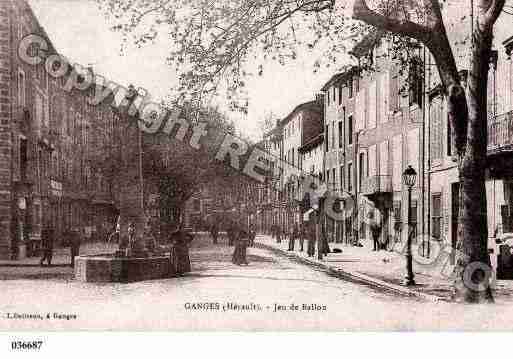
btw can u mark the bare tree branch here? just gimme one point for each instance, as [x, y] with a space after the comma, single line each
[403, 27]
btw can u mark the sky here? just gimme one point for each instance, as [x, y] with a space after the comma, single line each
[80, 31]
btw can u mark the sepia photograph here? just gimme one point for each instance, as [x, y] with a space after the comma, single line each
[255, 165]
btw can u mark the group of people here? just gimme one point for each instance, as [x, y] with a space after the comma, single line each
[314, 234]
[73, 238]
[239, 237]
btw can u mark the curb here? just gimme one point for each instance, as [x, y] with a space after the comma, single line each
[352, 276]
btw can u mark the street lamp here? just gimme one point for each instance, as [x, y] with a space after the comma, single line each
[409, 178]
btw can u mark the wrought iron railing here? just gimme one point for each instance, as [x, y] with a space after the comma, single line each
[376, 184]
[500, 133]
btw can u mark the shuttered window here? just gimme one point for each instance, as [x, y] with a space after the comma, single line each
[436, 129]
[393, 89]
[383, 97]
[383, 158]
[397, 161]
[372, 94]
[436, 216]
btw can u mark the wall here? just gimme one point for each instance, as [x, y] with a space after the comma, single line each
[5, 129]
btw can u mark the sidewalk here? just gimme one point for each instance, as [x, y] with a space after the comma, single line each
[382, 269]
[61, 255]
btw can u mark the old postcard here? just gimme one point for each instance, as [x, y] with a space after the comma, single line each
[255, 165]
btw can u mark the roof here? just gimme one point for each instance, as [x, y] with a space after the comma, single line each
[311, 105]
[41, 29]
[367, 43]
[274, 130]
[508, 44]
[312, 143]
[341, 76]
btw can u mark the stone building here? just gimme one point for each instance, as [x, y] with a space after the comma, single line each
[443, 180]
[298, 127]
[51, 138]
[372, 133]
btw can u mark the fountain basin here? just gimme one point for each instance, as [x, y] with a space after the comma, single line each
[109, 268]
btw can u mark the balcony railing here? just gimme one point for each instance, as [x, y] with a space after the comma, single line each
[500, 133]
[376, 184]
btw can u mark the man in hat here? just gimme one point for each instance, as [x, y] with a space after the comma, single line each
[47, 245]
[74, 244]
[293, 236]
[375, 228]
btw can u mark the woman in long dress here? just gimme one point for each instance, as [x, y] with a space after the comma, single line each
[241, 244]
[180, 259]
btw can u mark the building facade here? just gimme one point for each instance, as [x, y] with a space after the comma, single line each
[52, 142]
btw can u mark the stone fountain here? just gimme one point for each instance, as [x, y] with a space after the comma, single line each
[131, 262]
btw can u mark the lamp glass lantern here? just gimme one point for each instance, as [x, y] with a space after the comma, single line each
[409, 177]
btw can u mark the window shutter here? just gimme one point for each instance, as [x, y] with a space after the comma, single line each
[360, 111]
[372, 160]
[413, 149]
[383, 158]
[393, 89]
[384, 97]
[397, 159]
[372, 105]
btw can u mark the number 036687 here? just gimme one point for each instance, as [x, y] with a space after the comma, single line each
[29, 345]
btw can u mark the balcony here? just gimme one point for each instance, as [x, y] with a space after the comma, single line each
[500, 146]
[376, 185]
[500, 134]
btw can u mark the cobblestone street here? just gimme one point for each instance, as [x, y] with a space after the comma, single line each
[246, 297]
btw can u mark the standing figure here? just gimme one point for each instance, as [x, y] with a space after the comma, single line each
[74, 245]
[375, 231]
[116, 235]
[180, 260]
[47, 245]
[241, 244]
[279, 233]
[150, 238]
[252, 235]
[232, 233]
[214, 231]
[302, 234]
[131, 234]
[375, 228]
[293, 236]
[310, 237]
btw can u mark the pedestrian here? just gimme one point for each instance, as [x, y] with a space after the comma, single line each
[279, 233]
[180, 260]
[293, 236]
[150, 239]
[252, 235]
[302, 234]
[375, 231]
[47, 245]
[74, 245]
[214, 231]
[310, 236]
[241, 244]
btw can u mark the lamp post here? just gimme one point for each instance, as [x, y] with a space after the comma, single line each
[409, 178]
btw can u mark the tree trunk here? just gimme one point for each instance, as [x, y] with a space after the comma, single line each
[472, 271]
